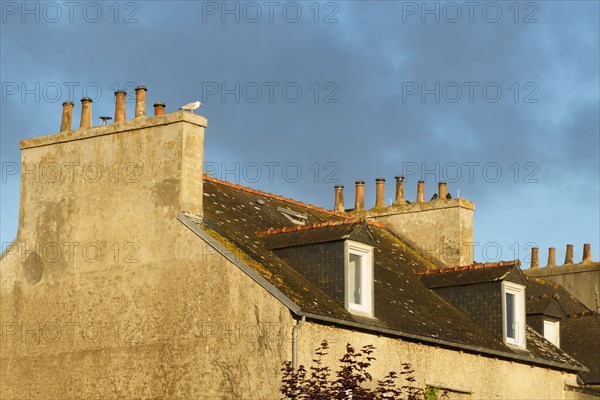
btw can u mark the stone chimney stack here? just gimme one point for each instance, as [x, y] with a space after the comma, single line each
[380, 192]
[421, 192]
[442, 190]
[569, 254]
[442, 229]
[534, 258]
[86, 113]
[164, 157]
[587, 253]
[399, 191]
[339, 199]
[67, 116]
[140, 101]
[120, 105]
[359, 203]
[159, 108]
[551, 257]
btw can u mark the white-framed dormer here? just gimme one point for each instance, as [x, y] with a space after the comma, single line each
[358, 278]
[513, 314]
[552, 331]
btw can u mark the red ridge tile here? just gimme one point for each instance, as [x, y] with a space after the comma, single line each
[347, 221]
[469, 267]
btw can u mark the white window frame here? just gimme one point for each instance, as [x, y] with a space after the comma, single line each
[366, 254]
[554, 339]
[518, 291]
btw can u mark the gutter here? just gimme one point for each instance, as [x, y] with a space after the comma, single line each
[295, 332]
[185, 220]
[442, 342]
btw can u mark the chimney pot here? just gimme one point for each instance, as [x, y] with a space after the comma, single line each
[399, 191]
[442, 190]
[569, 254]
[339, 199]
[421, 191]
[380, 192]
[67, 116]
[86, 113]
[551, 257]
[587, 253]
[159, 108]
[359, 203]
[140, 101]
[120, 105]
[534, 258]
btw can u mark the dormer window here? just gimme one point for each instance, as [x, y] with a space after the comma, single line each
[513, 310]
[552, 331]
[336, 256]
[358, 273]
[493, 294]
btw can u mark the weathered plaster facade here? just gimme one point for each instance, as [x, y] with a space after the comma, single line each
[158, 314]
[441, 228]
[470, 376]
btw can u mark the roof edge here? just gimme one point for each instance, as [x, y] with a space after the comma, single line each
[274, 196]
[286, 301]
[445, 343]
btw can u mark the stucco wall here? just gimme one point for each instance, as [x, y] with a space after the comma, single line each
[440, 228]
[133, 305]
[482, 377]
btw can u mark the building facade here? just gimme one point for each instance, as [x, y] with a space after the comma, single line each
[135, 276]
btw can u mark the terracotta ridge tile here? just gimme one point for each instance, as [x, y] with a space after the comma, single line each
[473, 266]
[580, 314]
[317, 225]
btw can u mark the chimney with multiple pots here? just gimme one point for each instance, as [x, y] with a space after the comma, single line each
[359, 203]
[120, 115]
[586, 258]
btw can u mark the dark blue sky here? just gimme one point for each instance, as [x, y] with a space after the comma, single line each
[499, 99]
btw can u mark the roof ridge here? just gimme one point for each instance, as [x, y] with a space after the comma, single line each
[275, 196]
[581, 314]
[317, 225]
[470, 267]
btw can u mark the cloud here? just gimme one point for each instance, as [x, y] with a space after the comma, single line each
[356, 110]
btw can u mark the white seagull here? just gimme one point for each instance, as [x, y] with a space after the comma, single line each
[191, 106]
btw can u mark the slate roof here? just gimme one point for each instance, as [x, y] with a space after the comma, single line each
[404, 307]
[472, 274]
[539, 289]
[573, 333]
[544, 305]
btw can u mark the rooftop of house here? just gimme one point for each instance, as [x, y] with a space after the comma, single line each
[471, 274]
[541, 291]
[244, 224]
